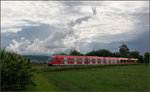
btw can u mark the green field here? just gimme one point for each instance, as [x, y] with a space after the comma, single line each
[91, 78]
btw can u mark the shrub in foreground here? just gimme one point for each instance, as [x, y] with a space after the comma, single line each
[15, 71]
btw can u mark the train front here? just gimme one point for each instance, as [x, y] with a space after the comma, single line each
[50, 60]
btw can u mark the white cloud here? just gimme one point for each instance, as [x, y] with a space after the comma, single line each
[77, 21]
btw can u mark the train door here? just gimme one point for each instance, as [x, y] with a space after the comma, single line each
[102, 61]
[65, 60]
[75, 60]
[90, 60]
[95, 61]
[83, 61]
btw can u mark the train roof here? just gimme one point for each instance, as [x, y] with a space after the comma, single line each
[62, 56]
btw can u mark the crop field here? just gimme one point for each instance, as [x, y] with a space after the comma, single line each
[91, 78]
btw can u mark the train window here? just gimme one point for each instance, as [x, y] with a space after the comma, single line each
[75, 59]
[69, 59]
[83, 59]
[93, 60]
[106, 60]
[62, 60]
[90, 60]
[72, 60]
[96, 60]
[80, 60]
[65, 59]
[99, 60]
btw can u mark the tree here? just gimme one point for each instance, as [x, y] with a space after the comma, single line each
[146, 57]
[124, 50]
[102, 52]
[15, 71]
[140, 59]
[116, 54]
[134, 54]
[75, 53]
[92, 53]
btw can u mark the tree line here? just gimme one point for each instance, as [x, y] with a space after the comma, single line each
[123, 52]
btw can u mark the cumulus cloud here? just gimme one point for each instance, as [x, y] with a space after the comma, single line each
[57, 27]
[60, 40]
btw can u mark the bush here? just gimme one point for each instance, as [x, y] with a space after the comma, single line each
[15, 71]
[146, 57]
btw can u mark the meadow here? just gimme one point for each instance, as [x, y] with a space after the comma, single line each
[134, 77]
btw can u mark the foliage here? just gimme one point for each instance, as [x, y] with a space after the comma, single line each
[140, 59]
[134, 54]
[75, 53]
[124, 50]
[116, 54]
[15, 71]
[102, 52]
[146, 57]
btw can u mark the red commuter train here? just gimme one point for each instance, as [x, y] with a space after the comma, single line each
[87, 60]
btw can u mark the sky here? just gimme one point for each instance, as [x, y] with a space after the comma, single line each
[51, 27]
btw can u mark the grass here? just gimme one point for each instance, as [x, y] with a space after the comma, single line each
[91, 78]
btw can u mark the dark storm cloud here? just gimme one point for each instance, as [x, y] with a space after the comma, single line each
[141, 44]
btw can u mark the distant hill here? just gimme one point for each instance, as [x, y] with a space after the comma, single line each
[37, 57]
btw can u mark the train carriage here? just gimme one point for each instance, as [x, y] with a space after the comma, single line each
[87, 60]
